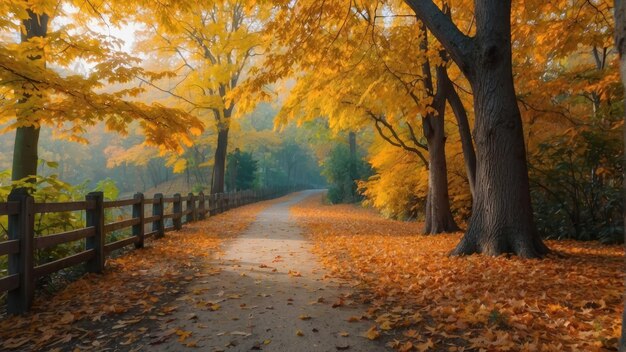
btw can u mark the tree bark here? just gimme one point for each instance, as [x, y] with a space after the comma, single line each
[439, 217]
[620, 43]
[219, 168]
[25, 156]
[353, 165]
[467, 144]
[502, 218]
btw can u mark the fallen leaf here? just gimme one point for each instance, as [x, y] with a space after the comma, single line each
[372, 333]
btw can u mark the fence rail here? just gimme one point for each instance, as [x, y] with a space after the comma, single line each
[22, 244]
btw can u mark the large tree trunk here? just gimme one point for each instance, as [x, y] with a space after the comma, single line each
[25, 155]
[219, 168]
[502, 217]
[502, 220]
[620, 43]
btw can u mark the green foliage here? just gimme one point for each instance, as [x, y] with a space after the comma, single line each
[240, 171]
[109, 188]
[48, 189]
[290, 162]
[576, 182]
[342, 173]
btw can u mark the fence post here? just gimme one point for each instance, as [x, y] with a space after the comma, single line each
[95, 218]
[22, 227]
[191, 205]
[157, 210]
[220, 203]
[177, 220]
[139, 230]
[201, 206]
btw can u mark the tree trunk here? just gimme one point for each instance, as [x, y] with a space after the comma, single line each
[353, 165]
[219, 168]
[438, 215]
[620, 43]
[25, 155]
[467, 144]
[502, 217]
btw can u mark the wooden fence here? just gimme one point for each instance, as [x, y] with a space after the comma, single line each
[22, 243]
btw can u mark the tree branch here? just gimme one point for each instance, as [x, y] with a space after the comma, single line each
[398, 141]
[457, 44]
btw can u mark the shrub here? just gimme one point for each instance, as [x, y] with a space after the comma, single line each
[576, 182]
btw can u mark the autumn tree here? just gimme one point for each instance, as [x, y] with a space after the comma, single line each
[502, 218]
[209, 48]
[363, 66]
[39, 89]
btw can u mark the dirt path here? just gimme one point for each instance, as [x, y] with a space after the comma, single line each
[269, 296]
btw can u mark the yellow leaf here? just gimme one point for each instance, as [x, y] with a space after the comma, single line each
[183, 335]
[372, 333]
[180, 165]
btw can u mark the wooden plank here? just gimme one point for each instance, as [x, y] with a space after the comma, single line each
[60, 238]
[21, 227]
[66, 262]
[139, 213]
[169, 200]
[10, 247]
[114, 226]
[108, 248]
[10, 282]
[150, 234]
[9, 208]
[187, 212]
[171, 216]
[157, 210]
[170, 229]
[61, 207]
[177, 209]
[96, 242]
[149, 201]
[120, 203]
[152, 219]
